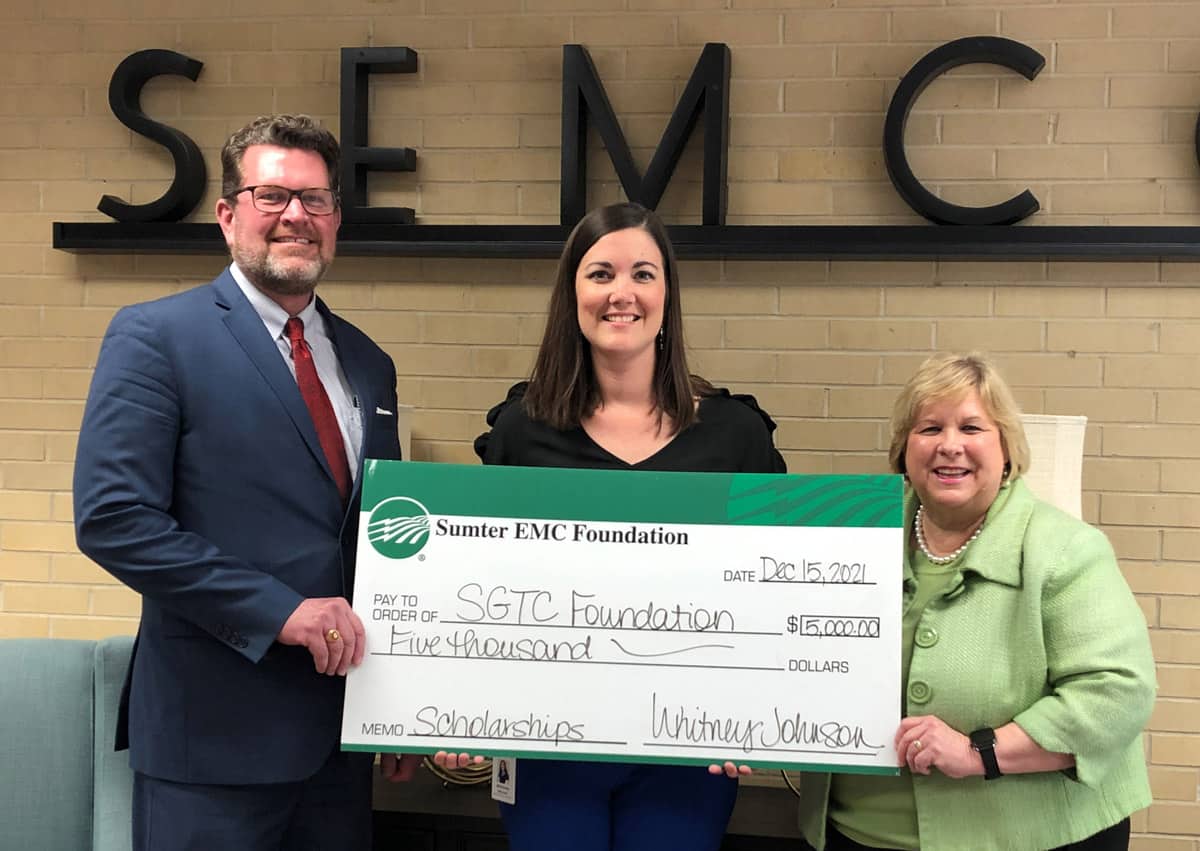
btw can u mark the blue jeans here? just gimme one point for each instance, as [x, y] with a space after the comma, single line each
[604, 806]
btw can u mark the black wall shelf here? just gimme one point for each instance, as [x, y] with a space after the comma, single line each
[704, 242]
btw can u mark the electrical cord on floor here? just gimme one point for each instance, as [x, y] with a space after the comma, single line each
[789, 782]
[477, 773]
[471, 775]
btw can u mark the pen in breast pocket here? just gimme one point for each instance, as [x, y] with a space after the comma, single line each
[354, 401]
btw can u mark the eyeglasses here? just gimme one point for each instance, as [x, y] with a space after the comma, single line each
[274, 199]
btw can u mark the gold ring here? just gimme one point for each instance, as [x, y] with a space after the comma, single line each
[333, 636]
[917, 744]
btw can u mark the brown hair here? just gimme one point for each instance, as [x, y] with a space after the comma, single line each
[563, 389]
[283, 131]
[951, 376]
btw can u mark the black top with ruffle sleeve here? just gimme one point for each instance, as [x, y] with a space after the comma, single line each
[731, 435]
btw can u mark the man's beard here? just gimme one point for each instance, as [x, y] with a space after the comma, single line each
[274, 275]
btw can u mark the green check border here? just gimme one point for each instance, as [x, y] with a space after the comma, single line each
[637, 496]
[648, 760]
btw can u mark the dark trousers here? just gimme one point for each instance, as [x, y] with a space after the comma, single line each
[330, 811]
[1115, 838]
[606, 806]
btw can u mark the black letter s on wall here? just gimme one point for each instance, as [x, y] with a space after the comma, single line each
[124, 97]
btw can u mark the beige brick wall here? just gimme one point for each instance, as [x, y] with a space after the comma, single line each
[1104, 135]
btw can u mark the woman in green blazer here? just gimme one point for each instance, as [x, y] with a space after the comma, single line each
[1026, 667]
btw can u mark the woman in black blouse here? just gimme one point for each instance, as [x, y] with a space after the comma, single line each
[611, 389]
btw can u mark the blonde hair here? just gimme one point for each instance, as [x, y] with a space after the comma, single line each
[952, 376]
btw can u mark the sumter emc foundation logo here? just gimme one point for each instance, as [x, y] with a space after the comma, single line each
[398, 527]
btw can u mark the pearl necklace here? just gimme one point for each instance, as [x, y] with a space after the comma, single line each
[917, 527]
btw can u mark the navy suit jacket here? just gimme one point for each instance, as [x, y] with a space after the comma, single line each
[200, 483]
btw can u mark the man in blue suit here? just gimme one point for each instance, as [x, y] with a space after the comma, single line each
[217, 475]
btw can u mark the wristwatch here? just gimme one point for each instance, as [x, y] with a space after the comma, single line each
[984, 741]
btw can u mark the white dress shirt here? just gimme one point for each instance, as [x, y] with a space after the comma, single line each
[329, 370]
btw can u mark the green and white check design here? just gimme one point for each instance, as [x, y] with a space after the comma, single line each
[632, 616]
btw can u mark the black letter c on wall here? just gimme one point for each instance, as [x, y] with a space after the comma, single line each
[964, 51]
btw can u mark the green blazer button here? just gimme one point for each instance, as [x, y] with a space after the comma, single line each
[919, 691]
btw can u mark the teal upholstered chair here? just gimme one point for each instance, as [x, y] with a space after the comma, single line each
[65, 789]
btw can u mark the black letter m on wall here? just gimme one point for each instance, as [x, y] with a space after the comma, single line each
[584, 97]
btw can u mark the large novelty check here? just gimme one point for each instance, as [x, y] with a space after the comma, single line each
[634, 616]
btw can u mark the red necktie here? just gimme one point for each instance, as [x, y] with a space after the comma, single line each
[319, 407]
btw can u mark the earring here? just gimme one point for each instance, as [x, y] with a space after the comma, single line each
[661, 344]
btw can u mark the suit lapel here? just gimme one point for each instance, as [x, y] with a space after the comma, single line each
[352, 367]
[247, 328]
[356, 375]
